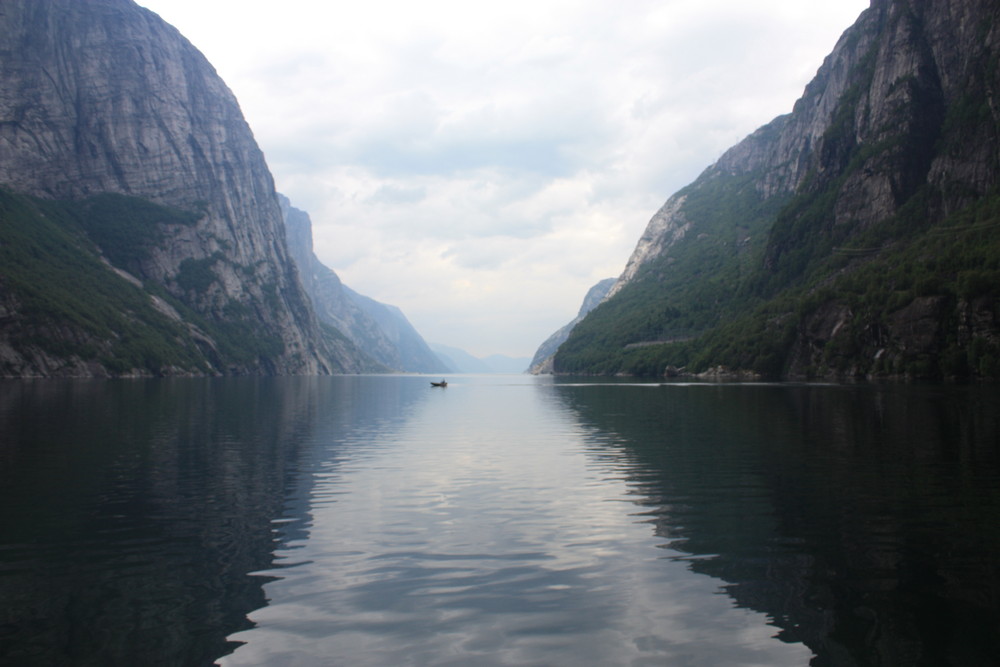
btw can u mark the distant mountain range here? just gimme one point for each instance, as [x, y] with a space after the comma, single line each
[460, 361]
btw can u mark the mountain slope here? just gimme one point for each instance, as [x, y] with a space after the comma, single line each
[102, 97]
[382, 332]
[855, 236]
[409, 351]
[542, 361]
[63, 311]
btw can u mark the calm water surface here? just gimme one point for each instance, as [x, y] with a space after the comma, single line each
[504, 520]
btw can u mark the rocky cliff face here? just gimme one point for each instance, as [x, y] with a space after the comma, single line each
[380, 331]
[101, 96]
[851, 236]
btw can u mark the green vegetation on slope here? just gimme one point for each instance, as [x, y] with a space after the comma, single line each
[955, 264]
[696, 286]
[817, 290]
[70, 304]
[67, 304]
[126, 228]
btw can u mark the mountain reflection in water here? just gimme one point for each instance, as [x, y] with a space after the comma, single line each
[864, 520]
[505, 520]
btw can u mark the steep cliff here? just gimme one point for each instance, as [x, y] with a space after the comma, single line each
[101, 96]
[382, 332]
[855, 236]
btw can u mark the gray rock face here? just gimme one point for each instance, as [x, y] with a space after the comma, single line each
[381, 331]
[102, 96]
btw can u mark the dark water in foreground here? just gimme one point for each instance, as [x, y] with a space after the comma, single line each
[504, 520]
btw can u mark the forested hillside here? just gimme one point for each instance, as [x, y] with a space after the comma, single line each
[858, 235]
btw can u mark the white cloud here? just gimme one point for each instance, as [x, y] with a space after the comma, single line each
[481, 165]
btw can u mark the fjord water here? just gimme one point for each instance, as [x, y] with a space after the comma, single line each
[503, 520]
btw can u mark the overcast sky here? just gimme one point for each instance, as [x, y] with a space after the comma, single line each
[481, 165]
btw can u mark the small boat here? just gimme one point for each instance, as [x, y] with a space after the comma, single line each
[442, 383]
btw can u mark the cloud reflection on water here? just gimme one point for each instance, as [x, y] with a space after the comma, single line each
[480, 529]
